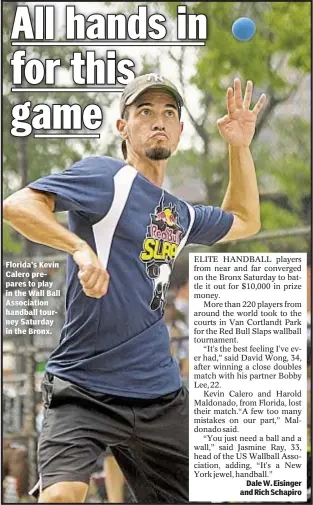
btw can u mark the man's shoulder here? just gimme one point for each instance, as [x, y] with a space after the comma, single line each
[103, 165]
[183, 205]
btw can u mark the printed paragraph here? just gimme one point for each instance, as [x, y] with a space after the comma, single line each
[248, 377]
[29, 293]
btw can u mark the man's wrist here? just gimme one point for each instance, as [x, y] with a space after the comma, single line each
[239, 146]
[80, 245]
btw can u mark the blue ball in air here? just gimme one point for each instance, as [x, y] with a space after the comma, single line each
[243, 29]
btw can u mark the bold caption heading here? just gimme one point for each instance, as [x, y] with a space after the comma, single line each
[40, 28]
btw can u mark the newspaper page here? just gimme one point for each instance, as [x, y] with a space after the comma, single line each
[232, 290]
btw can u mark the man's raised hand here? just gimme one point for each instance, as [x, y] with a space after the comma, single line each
[238, 126]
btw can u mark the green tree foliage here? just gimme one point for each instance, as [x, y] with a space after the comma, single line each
[277, 59]
[28, 158]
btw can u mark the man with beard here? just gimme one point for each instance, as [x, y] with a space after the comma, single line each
[112, 381]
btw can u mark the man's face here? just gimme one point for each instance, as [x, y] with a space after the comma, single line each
[152, 127]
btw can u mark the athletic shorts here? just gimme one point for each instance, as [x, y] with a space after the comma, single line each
[148, 438]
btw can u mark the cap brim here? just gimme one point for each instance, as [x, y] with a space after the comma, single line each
[170, 90]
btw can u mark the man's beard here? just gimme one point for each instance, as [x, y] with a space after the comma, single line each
[158, 153]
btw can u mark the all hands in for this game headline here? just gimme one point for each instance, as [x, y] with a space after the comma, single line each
[88, 72]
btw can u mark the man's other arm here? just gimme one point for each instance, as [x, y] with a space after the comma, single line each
[242, 195]
[30, 212]
[238, 128]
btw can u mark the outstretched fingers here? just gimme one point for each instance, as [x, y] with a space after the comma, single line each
[248, 95]
[234, 99]
[238, 93]
[230, 101]
[259, 105]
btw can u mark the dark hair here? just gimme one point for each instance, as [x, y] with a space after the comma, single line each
[124, 149]
[123, 146]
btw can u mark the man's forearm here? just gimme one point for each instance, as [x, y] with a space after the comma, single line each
[35, 221]
[242, 195]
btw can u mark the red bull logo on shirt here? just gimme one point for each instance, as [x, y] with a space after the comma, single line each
[167, 216]
[168, 234]
[158, 250]
[163, 237]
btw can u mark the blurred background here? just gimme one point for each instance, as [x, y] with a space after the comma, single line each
[277, 60]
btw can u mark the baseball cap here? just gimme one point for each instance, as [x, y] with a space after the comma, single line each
[147, 81]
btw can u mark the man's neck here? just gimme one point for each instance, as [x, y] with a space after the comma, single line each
[153, 170]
